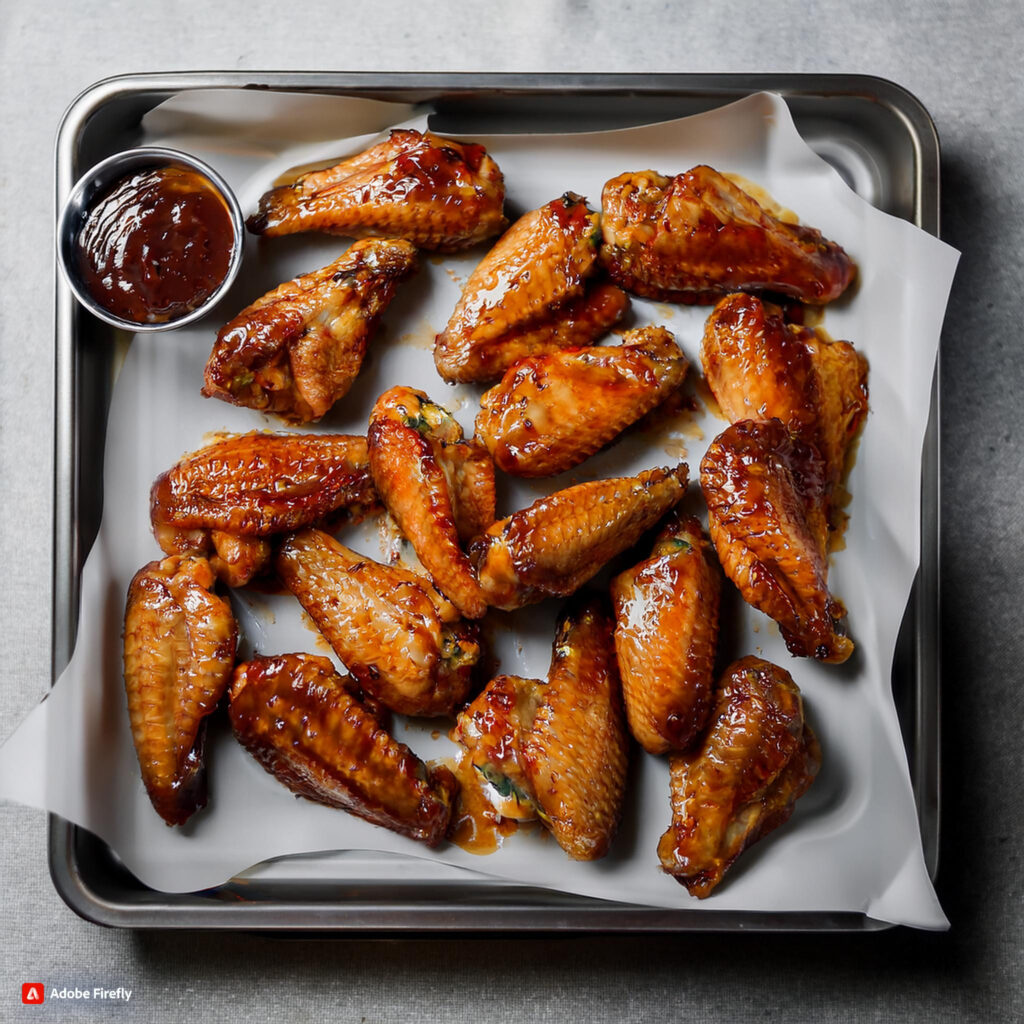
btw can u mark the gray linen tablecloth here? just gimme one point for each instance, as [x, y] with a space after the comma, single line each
[963, 62]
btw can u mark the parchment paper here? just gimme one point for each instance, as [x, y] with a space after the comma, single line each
[853, 842]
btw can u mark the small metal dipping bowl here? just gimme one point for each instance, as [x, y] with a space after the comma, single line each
[94, 184]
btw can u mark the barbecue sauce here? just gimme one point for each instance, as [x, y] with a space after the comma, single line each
[156, 246]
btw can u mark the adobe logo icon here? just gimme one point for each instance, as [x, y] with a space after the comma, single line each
[33, 992]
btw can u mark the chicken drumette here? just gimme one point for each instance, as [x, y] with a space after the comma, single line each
[232, 496]
[437, 193]
[551, 412]
[306, 725]
[757, 759]
[534, 292]
[697, 236]
[296, 351]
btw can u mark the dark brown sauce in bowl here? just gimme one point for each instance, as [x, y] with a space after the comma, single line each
[156, 245]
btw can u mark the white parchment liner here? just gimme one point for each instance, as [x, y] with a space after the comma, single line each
[853, 842]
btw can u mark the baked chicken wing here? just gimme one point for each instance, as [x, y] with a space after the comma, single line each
[179, 650]
[383, 624]
[760, 367]
[765, 492]
[757, 759]
[229, 498]
[534, 292]
[437, 193]
[303, 724]
[551, 412]
[552, 548]
[666, 632]
[557, 749]
[438, 486]
[697, 236]
[296, 351]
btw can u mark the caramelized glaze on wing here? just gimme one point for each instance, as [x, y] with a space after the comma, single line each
[557, 750]
[760, 367]
[554, 546]
[179, 649]
[300, 720]
[296, 351]
[431, 479]
[697, 236]
[232, 495]
[756, 760]
[436, 192]
[551, 412]
[532, 293]
[666, 632]
[383, 625]
[765, 492]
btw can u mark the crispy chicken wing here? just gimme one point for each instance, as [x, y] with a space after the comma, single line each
[179, 649]
[303, 723]
[666, 631]
[697, 236]
[533, 293]
[230, 496]
[551, 412]
[296, 351]
[760, 367]
[435, 192]
[432, 481]
[765, 492]
[552, 548]
[557, 750]
[757, 759]
[383, 624]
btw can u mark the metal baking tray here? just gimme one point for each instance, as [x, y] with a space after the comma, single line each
[883, 143]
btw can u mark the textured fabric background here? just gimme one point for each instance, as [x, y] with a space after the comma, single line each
[963, 62]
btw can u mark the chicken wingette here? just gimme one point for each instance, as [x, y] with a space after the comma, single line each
[698, 236]
[767, 515]
[536, 291]
[756, 760]
[307, 727]
[438, 486]
[179, 650]
[435, 192]
[551, 412]
[229, 498]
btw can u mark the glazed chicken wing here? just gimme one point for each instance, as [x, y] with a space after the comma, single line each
[534, 292]
[437, 193]
[304, 725]
[697, 236]
[760, 367]
[551, 412]
[557, 750]
[765, 492]
[666, 632]
[433, 481]
[179, 650]
[552, 548]
[383, 624]
[757, 759]
[296, 351]
[231, 496]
